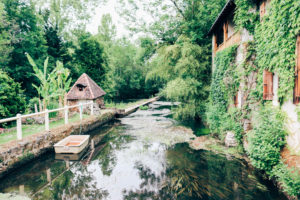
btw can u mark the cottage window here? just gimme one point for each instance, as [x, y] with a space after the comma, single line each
[267, 85]
[80, 86]
[219, 37]
[297, 73]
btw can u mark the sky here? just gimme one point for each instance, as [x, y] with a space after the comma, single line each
[109, 7]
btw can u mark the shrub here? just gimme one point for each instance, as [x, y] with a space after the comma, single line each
[12, 100]
[267, 138]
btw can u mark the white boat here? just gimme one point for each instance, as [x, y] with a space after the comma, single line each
[72, 144]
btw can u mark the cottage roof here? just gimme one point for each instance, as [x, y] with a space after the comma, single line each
[85, 88]
[229, 6]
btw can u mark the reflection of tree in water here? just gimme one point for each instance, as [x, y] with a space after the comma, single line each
[199, 175]
[76, 183]
[206, 175]
[114, 142]
[149, 186]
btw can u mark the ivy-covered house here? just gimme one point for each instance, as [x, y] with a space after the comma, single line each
[255, 89]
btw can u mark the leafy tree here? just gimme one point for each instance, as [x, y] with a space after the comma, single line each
[70, 16]
[5, 37]
[29, 37]
[184, 68]
[12, 100]
[91, 59]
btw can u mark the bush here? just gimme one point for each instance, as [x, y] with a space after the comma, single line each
[267, 138]
[12, 100]
[144, 107]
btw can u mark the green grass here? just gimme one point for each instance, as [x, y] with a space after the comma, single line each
[122, 105]
[31, 129]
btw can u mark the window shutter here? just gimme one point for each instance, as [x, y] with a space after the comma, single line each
[268, 85]
[297, 73]
[262, 9]
[225, 29]
[236, 100]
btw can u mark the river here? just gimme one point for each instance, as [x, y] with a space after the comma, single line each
[142, 156]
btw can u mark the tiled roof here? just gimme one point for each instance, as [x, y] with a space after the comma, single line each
[90, 89]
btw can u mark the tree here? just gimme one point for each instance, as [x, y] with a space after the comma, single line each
[6, 37]
[12, 99]
[91, 59]
[29, 38]
[69, 16]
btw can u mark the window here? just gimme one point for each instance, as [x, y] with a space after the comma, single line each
[297, 73]
[267, 85]
[220, 37]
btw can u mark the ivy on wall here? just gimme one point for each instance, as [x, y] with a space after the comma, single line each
[224, 86]
[246, 15]
[275, 38]
[273, 49]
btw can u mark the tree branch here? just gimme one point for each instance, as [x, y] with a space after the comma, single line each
[178, 9]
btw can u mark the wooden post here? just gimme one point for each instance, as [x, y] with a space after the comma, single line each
[67, 164]
[47, 120]
[80, 111]
[48, 172]
[92, 108]
[21, 189]
[66, 115]
[35, 108]
[40, 105]
[92, 144]
[19, 127]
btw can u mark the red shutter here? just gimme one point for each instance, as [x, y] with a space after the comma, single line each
[268, 85]
[262, 9]
[297, 73]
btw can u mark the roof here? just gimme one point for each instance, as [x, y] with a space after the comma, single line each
[229, 6]
[90, 89]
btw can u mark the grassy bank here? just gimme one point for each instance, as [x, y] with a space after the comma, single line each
[31, 129]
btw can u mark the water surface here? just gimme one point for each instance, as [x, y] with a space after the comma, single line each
[142, 156]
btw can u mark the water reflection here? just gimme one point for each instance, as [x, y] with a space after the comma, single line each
[130, 164]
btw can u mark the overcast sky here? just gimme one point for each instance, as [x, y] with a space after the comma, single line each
[109, 7]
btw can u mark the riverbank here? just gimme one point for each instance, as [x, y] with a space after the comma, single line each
[14, 154]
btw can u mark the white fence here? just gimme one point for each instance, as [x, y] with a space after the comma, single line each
[19, 117]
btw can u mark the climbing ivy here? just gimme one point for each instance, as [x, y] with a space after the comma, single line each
[273, 49]
[224, 86]
[275, 38]
[246, 15]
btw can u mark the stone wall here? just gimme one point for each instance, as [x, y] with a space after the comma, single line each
[16, 153]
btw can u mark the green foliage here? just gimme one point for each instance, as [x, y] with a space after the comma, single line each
[185, 69]
[144, 107]
[275, 39]
[52, 85]
[91, 59]
[288, 178]
[224, 86]
[267, 138]
[245, 15]
[28, 38]
[12, 100]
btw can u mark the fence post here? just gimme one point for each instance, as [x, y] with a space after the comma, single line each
[47, 120]
[66, 115]
[80, 111]
[92, 108]
[19, 127]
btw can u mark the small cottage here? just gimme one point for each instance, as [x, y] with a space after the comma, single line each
[85, 90]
